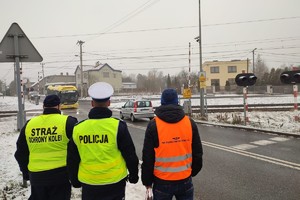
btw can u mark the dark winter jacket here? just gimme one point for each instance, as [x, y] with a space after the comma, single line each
[125, 145]
[171, 114]
[49, 177]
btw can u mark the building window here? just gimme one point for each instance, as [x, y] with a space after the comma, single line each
[78, 76]
[215, 82]
[85, 75]
[115, 76]
[231, 69]
[106, 74]
[214, 70]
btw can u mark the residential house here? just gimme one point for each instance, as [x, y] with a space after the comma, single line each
[98, 73]
[219, 72]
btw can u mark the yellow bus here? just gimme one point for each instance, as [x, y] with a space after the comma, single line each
[68, 95]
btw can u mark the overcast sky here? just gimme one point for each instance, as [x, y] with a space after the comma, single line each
[136, 36]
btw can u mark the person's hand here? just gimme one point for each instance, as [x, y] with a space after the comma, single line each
[76, 185]
[133, 178]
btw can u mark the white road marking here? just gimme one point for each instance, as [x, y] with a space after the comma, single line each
[279, 139]
[254, 155]
[244, 146]
[263, 142]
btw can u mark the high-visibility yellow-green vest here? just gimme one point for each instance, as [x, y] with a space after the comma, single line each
[47, 142]
[101, 161]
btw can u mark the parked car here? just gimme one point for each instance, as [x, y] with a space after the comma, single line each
[137, 109]
[33, 95]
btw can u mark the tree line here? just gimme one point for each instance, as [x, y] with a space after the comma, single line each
[155, 81]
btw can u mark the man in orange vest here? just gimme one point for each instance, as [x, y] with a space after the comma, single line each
[172, 151]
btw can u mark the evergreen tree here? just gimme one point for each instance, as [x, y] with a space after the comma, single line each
[169, 83]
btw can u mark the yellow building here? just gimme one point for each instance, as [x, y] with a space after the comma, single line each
[218, 72]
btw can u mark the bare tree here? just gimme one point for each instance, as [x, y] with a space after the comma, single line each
[155, 79]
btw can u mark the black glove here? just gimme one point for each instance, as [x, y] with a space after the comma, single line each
[133, 178]
[76, 184]
[25, 176]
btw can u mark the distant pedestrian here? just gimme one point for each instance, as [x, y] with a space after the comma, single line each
[101, 151]
[172, 151]
[42, 152]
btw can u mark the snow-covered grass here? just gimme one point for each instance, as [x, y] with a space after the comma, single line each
[11, 178]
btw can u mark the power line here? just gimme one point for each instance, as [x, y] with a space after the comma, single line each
[226, 53]
[127, 17]
[168, 28]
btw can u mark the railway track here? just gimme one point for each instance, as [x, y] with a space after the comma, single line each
[208, 109]
[15, 112]
[240, 108]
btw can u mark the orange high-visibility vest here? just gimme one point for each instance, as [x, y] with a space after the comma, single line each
[173, 157]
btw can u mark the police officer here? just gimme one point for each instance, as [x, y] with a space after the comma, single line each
[172, 151]
[42, 151]
[101, 151]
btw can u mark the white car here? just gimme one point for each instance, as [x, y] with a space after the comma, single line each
[137, 109]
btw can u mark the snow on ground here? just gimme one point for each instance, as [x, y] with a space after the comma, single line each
[11, 178]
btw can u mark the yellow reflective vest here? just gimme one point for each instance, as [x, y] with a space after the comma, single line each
[47, 142]
[101, 161]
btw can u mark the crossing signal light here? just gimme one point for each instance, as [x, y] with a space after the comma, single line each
[290, 77]
[246, 79]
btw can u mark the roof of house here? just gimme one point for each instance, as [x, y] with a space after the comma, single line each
[95, 68]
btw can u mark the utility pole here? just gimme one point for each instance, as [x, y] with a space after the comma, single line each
[201, 70]
[81, 70]
[38, 87]
[247, 65]
[43, 69]
[253, 59]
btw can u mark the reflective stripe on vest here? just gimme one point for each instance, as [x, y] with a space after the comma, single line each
[173, 157]
[47, 142]
[101, 161]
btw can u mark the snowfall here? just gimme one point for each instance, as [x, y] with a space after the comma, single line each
[11, 178]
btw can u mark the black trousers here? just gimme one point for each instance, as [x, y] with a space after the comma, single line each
[114, 191]
[51, 192]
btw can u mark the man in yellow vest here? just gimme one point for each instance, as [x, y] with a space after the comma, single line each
[172, 151]
[101, 151]
[42, 152]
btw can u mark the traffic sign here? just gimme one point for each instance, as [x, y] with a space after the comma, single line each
[187, 93]
[203, 84]
[202, 77]
[26, 50]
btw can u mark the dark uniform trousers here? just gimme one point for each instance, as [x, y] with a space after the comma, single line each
[51, 192]
[114, 191]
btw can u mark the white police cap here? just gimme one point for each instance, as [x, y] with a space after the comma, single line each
[101, 91]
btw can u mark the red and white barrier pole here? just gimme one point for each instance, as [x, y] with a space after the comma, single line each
[295, 89]
[245, 91]
[21, 80]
